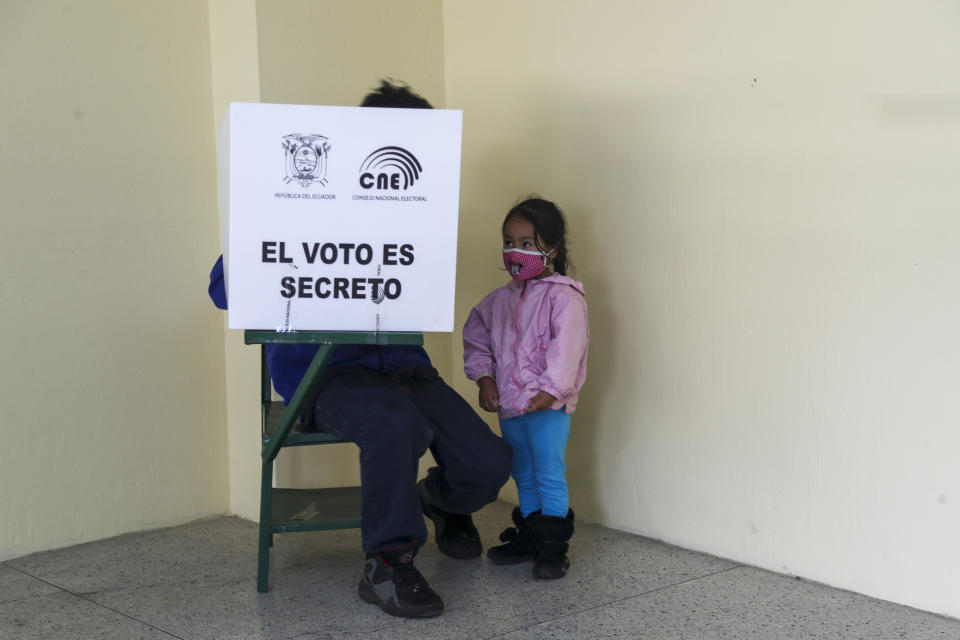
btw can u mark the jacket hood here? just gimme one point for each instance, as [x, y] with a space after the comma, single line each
[555, 278]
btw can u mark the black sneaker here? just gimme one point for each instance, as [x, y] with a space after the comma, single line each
[391, 582]
[455, 534]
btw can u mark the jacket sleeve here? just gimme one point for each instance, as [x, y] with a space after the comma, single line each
[567, 347]
[217, 290]
[478, 358]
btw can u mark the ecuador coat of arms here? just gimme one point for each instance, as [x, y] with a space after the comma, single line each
[306, 158]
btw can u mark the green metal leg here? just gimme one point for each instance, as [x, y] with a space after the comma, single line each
[266, 527]
[309, 383]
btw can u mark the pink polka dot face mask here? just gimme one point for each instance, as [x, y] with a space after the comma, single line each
[523, 265]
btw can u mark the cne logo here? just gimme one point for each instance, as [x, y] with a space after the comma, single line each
[392, 168]
[306, 158]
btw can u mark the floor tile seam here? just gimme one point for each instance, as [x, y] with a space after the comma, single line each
[847, 591]
[386, 626]
[4, 603]
[38, 595]
[225, 582]
[334, 630]
[96, 604]
[129, 617]
[616, 601]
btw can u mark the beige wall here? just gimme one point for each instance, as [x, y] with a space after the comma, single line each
[112, 387]
[763, 208]
[235, 74]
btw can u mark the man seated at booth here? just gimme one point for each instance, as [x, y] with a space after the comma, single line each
[391, 402]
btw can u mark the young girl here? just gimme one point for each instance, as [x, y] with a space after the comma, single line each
[525, 344]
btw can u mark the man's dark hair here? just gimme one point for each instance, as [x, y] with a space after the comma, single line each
[395, 95]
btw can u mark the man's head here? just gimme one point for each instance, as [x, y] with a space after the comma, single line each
[394, 95]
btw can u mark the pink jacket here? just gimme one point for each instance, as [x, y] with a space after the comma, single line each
[530, 340]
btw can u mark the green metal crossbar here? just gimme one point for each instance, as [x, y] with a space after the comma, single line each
[290, 510]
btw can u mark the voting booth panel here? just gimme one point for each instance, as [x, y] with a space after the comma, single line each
[340, 218]
[339, 227]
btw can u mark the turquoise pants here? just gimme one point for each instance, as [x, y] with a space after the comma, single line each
[539, 442]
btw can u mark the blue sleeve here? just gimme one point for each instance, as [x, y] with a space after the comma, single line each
[218, 293]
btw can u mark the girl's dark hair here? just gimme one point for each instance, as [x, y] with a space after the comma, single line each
[549, 226]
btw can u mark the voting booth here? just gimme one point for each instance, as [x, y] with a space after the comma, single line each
[340, 218]
[339, 227]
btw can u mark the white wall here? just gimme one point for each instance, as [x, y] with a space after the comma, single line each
[111, 389]
[763, 206]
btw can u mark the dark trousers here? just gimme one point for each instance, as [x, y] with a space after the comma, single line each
[394, 421]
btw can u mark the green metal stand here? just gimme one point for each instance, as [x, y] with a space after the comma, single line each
[290, 510]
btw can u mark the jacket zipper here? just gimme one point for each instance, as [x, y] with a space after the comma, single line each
[516, 344]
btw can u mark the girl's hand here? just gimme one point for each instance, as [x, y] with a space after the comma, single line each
[489, 395]
[539, 402]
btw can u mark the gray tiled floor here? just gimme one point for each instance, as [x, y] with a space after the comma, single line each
[197, 581]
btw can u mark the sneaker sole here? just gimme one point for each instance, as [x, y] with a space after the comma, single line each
[367, 594]
[428, 511]
[468, 554]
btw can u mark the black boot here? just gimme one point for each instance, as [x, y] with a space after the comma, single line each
[392, 582]
[552, 535]
[455, 534]
[519, 546]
